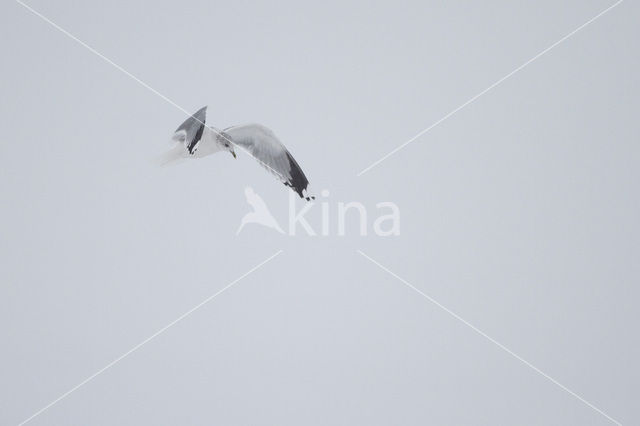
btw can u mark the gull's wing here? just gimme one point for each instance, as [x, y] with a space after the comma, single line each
[266, 148]
[190, 132]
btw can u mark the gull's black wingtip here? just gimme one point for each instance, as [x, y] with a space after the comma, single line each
[298, 181]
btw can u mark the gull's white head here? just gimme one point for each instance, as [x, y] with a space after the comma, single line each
[225, 142]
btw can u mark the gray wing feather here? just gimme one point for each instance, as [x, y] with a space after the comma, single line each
[263, 145]
[190, 132]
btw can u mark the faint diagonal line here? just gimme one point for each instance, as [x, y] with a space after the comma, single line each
[100, 55]
[148, 339]
[486, 336]
[145, 85]
[398, 148]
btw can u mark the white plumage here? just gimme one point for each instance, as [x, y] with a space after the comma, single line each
[194, 139]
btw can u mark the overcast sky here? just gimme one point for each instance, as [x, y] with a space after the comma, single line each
[519, 213]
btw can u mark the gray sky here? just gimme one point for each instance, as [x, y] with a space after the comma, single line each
[519, 213]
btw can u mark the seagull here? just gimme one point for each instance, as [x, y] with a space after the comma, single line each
[194, 139]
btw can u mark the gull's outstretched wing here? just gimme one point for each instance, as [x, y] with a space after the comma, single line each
[190, 132]
[266, 148]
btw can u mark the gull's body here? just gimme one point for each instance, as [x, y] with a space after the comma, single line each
[194, 139]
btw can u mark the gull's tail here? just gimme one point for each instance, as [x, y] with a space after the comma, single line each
[174, 156]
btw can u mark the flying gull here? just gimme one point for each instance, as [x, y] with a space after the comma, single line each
[194, 139]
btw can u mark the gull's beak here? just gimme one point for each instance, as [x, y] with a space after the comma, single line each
[234, 154]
